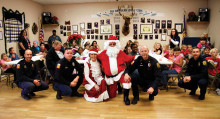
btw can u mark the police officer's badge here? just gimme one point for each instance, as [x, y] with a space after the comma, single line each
[204, 63]
[149, 64]
[18, 66]
[25, 66]
[32, 65]
[132, 62]
[73, 64]
[141, 64]
[158, 65]
[58, 66]
[198, 63]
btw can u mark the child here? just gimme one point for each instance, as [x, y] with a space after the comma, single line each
[166, 51]
[12, 54]
[216, 61]
[189, 49]
[86, 50]
[65, 45]
[42, 47]
[158, 49]
[171, 54]
[78, 55]
[206, 52]
[202, 44]
[74, 47]
[184, 50]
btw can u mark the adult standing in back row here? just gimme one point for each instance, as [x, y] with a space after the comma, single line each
[53, 38]
[174, 39]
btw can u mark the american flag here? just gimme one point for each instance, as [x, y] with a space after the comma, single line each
[41, 35]
[184, 25]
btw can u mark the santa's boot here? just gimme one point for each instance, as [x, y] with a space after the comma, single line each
[126, 99]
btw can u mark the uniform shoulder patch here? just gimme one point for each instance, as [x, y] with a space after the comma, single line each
[204, 63]
[158, 65]
[132, 62]
[58, 66]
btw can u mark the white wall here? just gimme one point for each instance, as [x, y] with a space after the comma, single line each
[32, 12]
[173, 10]
[214, 25]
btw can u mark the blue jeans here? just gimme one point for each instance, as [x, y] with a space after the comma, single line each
[65, 89]
[165, 74]
[29, 87]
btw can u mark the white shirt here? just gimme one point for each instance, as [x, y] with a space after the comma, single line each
[60, 54]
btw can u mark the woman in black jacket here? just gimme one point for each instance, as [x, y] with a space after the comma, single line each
[23, 42]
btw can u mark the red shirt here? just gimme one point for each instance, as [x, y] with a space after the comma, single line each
[186, 52]
[216, 61]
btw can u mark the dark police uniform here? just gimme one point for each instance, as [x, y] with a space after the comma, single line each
[149, 75]
[65, 73]
[26, 74]
[198, 71]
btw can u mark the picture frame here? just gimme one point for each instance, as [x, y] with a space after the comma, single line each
[134, 26]
[92, 36]
[152, 21]
[135, 37]
[68, 28]
[165, 31]
[75, 27]
[163, 24]
[145, 37]
[117, 32]
[157, 24]
[64, 33]
[82, 32]
[169, 24]
[155, 31]
[82, 26]
[135, 31]
[89, 25]
[148, 20]
[179, 27]
[101, 37]
[106, 29]
[151, 37]
[163, 37]
[92, 31]
[96, 37]
[101, 22]
[156, 36]
[96, 24]
[61, 31]
[160, 31]
[88, 32]
[88, 36]
[140, 36]
[64, 27]
[96, 31]
[61, 26]
[143, 20]
[1, 35]
[68, 33]
[146, 28]
[106, 37]
[117, 26]
[107, 21]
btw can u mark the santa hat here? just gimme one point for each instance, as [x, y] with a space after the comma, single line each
[112, 39]
[93, 51]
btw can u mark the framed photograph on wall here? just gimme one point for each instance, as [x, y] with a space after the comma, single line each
[64, 27]
[146, 28]
[88, 36]
[143, 20]
[135, 37]
[61, 26]
[75, 27]
[155, 31]
[82, 26]
[106, 29]
[1, 36]
[169, 24]
[96, 37]
[96, 24]
[64, 33]
[156, 36]
[97, 31]
[157, 24]
[107, 21]
[61, 31]
[163, 37]
[106, 37]
[117, 33]
[92, 36]
[134, 26]
[163, 22]
[135, 32]
[68, 28]
[101, 37]
[148, 20]
[152, 21]
[179, 27]
[89, 25]
[102, 22]
[68, 33]
[151, 37]
[140, 36]
[116, 26]
[145, 37]
[87, 32]
[92, 31]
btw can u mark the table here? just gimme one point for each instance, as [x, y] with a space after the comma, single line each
[34, 58]
[161, 59]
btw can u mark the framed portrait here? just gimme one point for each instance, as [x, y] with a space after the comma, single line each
[82, 26]
[134, 26]
[118, 37]
[68, 33]
[155, 31]
[75, 27]
[61, 31]
[101, 37]
[135, 37]
[143, 20]
[140, 36]
[97, 31]
[152, 21]
[163, 37]
[64, 27]
[89, 25]
[96, 37]
[92, 36]
[135, 31]
[163, 22]
[64, 33]
[160, 31]
[146, 28]
[151, 37]
[96, 24]
[61, 26]
[106, 37]
[145, 37]
[165, 31]
[169, 24]
[92, 31]
[107, 21]
[148, 20]
[102, 22]
[1, 36]
[117, 26]
[157, 24]
[88, 36]
[156, 36]
[106, 29]
[68, 28]
[117, 32]
[179, 27]
[87, 31]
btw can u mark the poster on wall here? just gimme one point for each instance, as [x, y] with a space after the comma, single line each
[157, 24]
[146, 28]
[163, 22]
[106, 29]
[169, 24]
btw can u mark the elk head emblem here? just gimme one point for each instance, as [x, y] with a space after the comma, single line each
[125, 28]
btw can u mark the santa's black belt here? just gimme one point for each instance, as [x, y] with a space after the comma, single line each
[111, 76]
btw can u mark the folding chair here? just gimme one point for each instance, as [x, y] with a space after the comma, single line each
[176, 76]
[8, 75]
[212, 78]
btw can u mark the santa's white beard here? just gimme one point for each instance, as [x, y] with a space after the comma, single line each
[112, 51]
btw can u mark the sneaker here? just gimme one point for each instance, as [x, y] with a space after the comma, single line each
[59, 95]
[32, 94]
[26, 97]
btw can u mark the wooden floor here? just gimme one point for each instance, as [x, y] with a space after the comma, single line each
[174, 104]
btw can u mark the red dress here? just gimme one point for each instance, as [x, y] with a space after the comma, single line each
[93, 76]
[113, 68]
[217, 63]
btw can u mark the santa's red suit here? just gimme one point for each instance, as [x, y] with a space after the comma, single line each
[114, 70]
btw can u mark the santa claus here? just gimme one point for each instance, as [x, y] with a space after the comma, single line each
[113, 61]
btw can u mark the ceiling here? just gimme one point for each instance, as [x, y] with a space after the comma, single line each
[47, 2]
